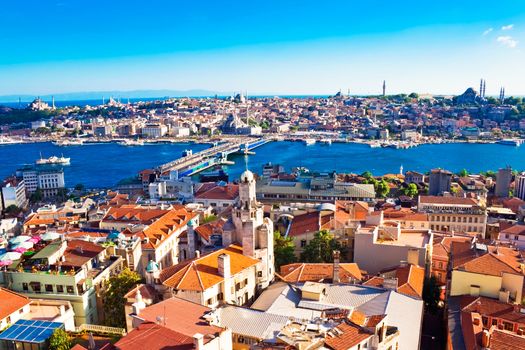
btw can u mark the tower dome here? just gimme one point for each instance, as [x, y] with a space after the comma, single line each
[247, 176]
[152, 267]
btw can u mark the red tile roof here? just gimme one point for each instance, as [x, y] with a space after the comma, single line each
[447, 200]
[303, 272]
[504, 340]
[79, 252]
[201, 273]
[348, 336]
[410, 280]
[181, 316]
[151, 336]
[164, 226]
[228, 192]
[11, 302]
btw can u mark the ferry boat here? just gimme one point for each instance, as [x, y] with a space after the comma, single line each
[309, 142]
[68, 143]
[53, 160]
[187, 153]
[511, 142]
[326, 141]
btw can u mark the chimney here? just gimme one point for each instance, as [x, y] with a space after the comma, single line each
[335, 276]
[197, 254]
[198, 341]
[224, 265]
[485, 339]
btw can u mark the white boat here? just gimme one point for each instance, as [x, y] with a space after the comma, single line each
[68, 143]
[374, 145]
[53, 160]
[511, 142]
[309, 142]
[326, 141]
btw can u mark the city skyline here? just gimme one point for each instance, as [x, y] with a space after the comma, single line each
[270, 48]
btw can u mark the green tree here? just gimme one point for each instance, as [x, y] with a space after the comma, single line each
[113, 297]
[463, 173]
[283, 250]
[59, 340]
[320, 249]
[382, 188]
[413, 95]
[367, 175]
[431, 294]
[411, 190]
[12, 210]
[36, 196]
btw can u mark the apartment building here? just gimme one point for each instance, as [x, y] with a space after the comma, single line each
[74, 271]
[454, 214]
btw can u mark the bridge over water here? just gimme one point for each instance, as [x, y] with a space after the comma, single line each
[193, 163]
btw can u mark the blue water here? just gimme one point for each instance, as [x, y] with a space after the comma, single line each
[103, 165]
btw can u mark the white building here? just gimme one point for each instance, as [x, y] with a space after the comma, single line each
[47, 179]
[181, 131]
[14, 193]
[520, 186]
[154, 130]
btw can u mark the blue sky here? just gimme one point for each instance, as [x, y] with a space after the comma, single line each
[281, 47]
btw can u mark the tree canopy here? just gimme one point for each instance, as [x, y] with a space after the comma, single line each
[113, 297]
[59, 340]
[411, 190]
[320, 248]
[283, 250]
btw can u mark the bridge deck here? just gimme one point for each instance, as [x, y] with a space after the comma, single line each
[203, 156]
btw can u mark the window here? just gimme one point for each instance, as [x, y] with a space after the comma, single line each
[494, 322]
[303, 243]
[25, 286]
[60, 288]
[70, 289]
[49, 288]
[220, 296]
[485, 321]
[37, 288]
[508, 326]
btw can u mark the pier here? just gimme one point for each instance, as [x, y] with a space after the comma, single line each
[194, 163]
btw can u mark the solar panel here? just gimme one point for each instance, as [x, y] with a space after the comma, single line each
[30, 331]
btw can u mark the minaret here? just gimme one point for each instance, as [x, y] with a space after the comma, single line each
[481, 88]
[401, 170]
[502, 95]
[484, 87]
[384, 88]
[53, 102]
